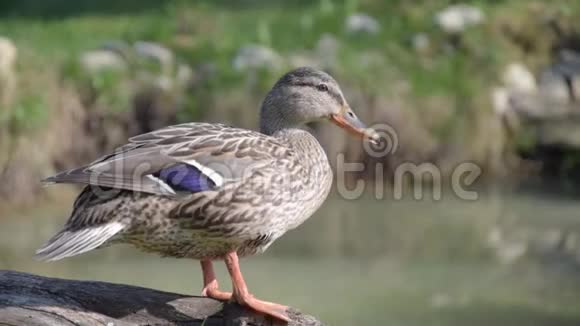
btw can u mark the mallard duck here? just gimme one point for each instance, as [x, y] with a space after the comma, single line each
[210, 191]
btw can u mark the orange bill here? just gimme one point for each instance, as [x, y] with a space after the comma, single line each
[349, 122]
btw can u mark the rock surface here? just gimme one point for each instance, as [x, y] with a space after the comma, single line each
[32, 300]
[254, 56]
[455, 19]
[362, 24]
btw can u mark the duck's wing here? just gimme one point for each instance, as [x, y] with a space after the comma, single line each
[190, 157]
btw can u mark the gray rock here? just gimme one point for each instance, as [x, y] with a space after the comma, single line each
[34, 300]
[456, 18]
[552, 85]
[500, 100]
[254, 56]
[157, 52]
[517, 77]
[184, 74]
[518, 83]
[98, 60]
[362, 24]
[568, 63]
[561, 81]
[421, 42]
[164, 83]
[122, 48]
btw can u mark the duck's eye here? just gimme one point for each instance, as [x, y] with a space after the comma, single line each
[322, 87]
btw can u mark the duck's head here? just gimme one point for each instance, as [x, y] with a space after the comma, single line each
[305, 95]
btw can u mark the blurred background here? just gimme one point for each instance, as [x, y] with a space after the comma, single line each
[496, 83]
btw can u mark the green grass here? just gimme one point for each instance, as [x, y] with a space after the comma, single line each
[217, 29]
[51, 35]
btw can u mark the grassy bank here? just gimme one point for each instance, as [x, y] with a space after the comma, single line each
[52, 34]
[432, 86]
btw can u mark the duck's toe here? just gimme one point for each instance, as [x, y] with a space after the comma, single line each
[275, 310]
[211, 290]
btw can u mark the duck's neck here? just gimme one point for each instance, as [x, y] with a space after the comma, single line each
[296, 136]
[311, 170]
[273, 121]
[306, 146]
[300, 138]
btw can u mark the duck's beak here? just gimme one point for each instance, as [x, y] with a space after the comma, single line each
[350, 122]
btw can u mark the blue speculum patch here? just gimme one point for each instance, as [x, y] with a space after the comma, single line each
[185, 177]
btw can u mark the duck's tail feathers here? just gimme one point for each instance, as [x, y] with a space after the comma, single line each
[77, 175]
[69, 243]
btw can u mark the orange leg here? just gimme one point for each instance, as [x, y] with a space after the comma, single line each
[210, 283]
[242, 296]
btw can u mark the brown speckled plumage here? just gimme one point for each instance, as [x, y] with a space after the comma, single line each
[266, 182]
[246, 214]
[210, 191]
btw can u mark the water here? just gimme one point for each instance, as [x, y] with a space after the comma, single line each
[508, 258]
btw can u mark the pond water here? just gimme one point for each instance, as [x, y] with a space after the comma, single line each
[508, 258]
